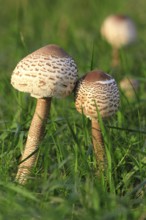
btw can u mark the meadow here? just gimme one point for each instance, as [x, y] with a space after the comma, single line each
[64, 184]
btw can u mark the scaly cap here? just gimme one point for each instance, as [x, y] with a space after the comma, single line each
[47, 72]
[97, 91]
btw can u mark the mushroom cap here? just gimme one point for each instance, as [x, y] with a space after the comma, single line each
[97, 91]
[47, 72]
[118, 30]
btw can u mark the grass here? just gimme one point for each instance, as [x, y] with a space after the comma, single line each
[64, 184]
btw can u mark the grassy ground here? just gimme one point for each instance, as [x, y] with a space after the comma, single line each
[64, 184]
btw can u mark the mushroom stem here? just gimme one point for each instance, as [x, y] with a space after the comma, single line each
[98, 145]
[35, 135]
[115, 57]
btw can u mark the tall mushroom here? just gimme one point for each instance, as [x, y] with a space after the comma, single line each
[46, 73]
[97, 93]
[119, 31]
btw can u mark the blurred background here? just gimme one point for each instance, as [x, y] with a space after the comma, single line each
[27, 25]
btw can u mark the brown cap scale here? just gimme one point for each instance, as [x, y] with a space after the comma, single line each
[97, 91]
[119, 31]
[46, 73]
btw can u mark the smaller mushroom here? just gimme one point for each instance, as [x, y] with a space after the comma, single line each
[97, 93]
[46, 73]
[119, 31]
[130, 87]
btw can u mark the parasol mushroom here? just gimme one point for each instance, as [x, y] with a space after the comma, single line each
[46, 73]
[97, 92]
[119, 31]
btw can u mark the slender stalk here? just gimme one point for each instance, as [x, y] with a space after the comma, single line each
[35, 135]
[115, 57]
[98, 145]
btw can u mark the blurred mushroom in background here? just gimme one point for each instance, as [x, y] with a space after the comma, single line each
[118, 31]
[130, 87]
